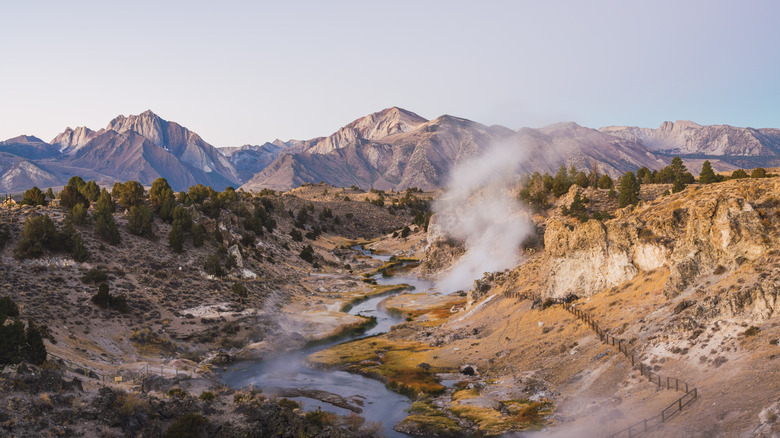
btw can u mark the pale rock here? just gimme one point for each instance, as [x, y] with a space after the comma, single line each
[236, 252]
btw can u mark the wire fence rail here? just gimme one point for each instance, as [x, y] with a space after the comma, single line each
[673, 383]
[135, 377]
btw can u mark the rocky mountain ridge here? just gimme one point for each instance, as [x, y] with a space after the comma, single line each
[688, 138]
[390, 149]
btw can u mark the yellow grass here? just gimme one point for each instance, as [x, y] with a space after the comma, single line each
[394, 362]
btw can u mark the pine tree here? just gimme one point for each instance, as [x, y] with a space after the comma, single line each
[70, 196]
[176, 237]
[80, 254]
[90, 190]
[581, 180]
[130, 193]
[198, 235]
[36, 350]
[561, 182]
[159, 193]
[106, 229]
[102, 298]
[78, 214]
[629, 190]
[34, 196]
[677, 166]
[679, 185]
[605, 182]
[707, 175]
[644, 175]
[139, 221]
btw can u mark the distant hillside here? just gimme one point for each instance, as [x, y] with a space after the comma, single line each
[738, 147]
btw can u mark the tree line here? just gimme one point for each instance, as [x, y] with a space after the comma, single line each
[538, 189]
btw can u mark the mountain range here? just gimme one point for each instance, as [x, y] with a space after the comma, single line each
[390, 149]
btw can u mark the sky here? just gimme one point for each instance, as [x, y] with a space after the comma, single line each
[250, 72]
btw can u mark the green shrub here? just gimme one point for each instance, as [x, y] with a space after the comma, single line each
[33, 196]
[752, 331]
[198, 235]
[240, 290]
[95, 275]
[287, 403]
[319, 417]
[739, 174]
[70, 196]
[78, 214]
[212, 266]
[177, 393]
[5, 235]
[104, 299]
[758, 172]
[16, 345]
[207, 396]
[139, 221]
[190, 425]
[38, 235]
[184, 218]
[176, 237]
[307, 254]
[80, 254]
[105, 227]
[8, 308]
[36, 350]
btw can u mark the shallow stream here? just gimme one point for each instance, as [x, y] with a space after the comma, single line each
[288, 371]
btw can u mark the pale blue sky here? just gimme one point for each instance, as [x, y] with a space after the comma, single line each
[249, 72]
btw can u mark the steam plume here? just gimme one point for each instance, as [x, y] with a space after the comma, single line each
[479, 209]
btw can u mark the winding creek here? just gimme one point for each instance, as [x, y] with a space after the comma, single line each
[288, 372]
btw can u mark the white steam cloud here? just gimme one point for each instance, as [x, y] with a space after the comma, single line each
[480, 209]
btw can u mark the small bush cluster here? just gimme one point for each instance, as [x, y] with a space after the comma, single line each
[106, 300]
[18, 344]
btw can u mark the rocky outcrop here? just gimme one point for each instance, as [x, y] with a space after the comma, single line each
[759, 301]
[70, 140]
[583, 260]
[692, 233]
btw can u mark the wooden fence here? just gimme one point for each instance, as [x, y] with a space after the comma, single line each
[636, 429]
[691, 394]
[134, 377]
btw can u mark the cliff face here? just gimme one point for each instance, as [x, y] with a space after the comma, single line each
[702, 231]
[71, 140]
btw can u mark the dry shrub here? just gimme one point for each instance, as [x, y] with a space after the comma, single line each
[130, 404]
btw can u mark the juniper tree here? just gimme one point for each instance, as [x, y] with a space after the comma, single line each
[629, 190]
[605, 182]
[707, 175]
[33, 196]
